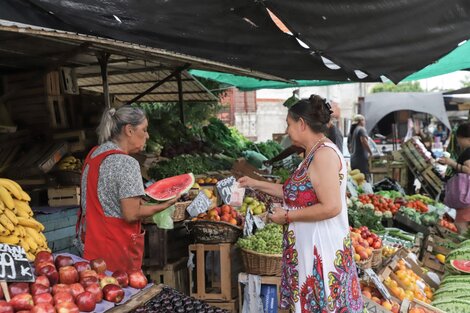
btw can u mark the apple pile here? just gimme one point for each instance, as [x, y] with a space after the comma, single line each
[224, 213]
[369, 291]
[372, 239]
[63, 286]
[362, 250]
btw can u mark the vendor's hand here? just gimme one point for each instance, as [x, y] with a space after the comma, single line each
[278, 216]
[444, 161]
[169, 203]
[246, 181]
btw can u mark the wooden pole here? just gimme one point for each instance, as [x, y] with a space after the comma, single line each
[103, 59]
[180, 97]
[6, 293]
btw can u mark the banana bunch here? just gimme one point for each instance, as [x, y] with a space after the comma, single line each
[70, 163]
[17, 225]
[358, 177]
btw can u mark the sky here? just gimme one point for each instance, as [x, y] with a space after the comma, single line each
[448, 82]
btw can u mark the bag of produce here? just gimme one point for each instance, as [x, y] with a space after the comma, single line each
[163, 219]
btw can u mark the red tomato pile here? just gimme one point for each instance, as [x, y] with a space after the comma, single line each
[418, 206]
[379, 202]
[448, 224]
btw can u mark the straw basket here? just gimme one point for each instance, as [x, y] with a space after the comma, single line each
[365, 264]
[180, 211]
[214, 232]
[261, 263]
[376, 257]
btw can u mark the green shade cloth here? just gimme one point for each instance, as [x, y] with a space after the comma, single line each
[458, 59]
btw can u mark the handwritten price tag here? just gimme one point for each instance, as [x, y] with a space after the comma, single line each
[224, 187]
[14, 266]
[199, 205]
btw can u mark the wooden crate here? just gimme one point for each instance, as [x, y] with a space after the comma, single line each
[265, 280]
[76, 139]
[231, 306]
[63, 196]
[173, 274]
[60, 229]
[164, 246]
[430, 261]
[213, 277]
[432, 179]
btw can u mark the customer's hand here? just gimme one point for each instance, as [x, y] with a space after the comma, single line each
[246, 181]
[445, 161]
[278, 216]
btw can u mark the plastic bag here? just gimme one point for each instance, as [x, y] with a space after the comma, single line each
[163, 219]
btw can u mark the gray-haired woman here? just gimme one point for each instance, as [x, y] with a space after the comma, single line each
[112, 208]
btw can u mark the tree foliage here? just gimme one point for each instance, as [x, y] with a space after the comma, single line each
[401, 87]
[466, 81]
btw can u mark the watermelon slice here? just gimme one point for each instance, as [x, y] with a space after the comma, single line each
[169, 188]
[461, 265]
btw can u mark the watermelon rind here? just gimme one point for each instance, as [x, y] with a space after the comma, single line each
[461, 265]
[171, 187]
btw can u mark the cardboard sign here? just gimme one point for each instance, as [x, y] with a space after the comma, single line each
[225, 188]
[378, 283]
[199, 205]
[14, 265]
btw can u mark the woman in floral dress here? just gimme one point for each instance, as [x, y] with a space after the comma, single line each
[318, 271]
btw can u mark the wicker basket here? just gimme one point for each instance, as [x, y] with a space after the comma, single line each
[376, 257]
[214, 232]
[262, 264]
[365, 264]
[180, 211]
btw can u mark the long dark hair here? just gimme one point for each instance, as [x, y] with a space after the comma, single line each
[315, 111]
[463, 131]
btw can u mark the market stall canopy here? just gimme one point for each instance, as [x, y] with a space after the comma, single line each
[346, 40]
[378, 105]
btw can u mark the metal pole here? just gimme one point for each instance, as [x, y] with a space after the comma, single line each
[103, 60]
[180, 97]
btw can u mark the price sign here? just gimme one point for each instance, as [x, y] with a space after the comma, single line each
[225, 189]
[380, 286]
[199, 205]
[249, 222]
[14, 265]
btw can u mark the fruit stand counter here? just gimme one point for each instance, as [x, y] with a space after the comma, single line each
[137, 300]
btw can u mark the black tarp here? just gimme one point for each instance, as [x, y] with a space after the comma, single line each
[381, 37]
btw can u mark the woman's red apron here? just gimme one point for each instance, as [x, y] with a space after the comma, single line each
[119, 243]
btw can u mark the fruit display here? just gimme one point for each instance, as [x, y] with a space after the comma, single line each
[358, 177]
[452, 295]
[388, 251]
[224, 213]
[255, 206]
[407, 284]
[372, 239]
[171, 187]
[171, 301]
[370, 292]
[64, 286]
[210, 194]
[419, 310]
[462, 253]
[418, 205]
[362, 250]
[424, 199]
[70, 163]
[267, 240]
[207, 181]
[17, 225]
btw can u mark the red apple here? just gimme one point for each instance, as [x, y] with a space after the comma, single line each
[82, 266]
[137, 279]
[122, 278]
[43, 256]
[43, 298]
[107, 281]
[43, 308]
[43, 280]
[68, 275]
[101, 276]
[99, 265]
[51, 274]
[96, 291]
[23, 301]
[6, 307]
[61, 288]
[37, 289]
[66, 307]
[89, 280]
[113, 293]
[76, 289]
[87, 273]
[86, 301]
[40, 265]
[18, 288]
[63, 260]
[62, 297]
